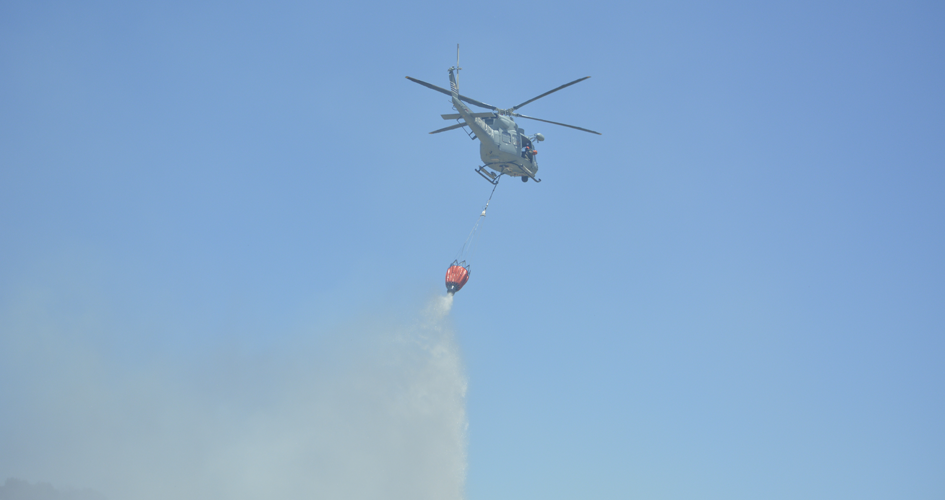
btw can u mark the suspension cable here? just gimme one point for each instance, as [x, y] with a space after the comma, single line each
[470, 243]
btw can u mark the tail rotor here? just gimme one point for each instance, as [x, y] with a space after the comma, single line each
[457, 68]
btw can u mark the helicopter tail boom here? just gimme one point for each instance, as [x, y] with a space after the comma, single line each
[479, 127]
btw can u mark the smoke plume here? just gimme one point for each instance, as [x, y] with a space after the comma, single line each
[371, 409]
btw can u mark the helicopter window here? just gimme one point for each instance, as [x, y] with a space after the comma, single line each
[506, 137]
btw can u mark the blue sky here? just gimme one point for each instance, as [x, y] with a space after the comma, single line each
[735, 292]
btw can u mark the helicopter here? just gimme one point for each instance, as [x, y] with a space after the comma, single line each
[503, 146]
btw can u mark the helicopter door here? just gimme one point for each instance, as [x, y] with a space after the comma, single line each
[506, 145]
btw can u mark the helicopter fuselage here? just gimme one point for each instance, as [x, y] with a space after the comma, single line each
[501, 143]
[502, 150]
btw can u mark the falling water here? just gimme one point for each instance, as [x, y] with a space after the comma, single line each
[374, 409]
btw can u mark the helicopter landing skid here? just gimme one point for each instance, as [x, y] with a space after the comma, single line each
[530, 174]
[488, 176]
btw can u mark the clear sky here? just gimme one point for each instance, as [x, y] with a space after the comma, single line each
[737, 291]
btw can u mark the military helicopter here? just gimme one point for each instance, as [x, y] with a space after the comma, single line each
[503, 146]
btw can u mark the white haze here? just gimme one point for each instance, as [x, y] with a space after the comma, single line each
[375, 409]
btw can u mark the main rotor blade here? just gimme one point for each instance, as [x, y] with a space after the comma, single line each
[555, 123]
[447, 92]
[457, 116]
[549, 92]
[451, 127]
